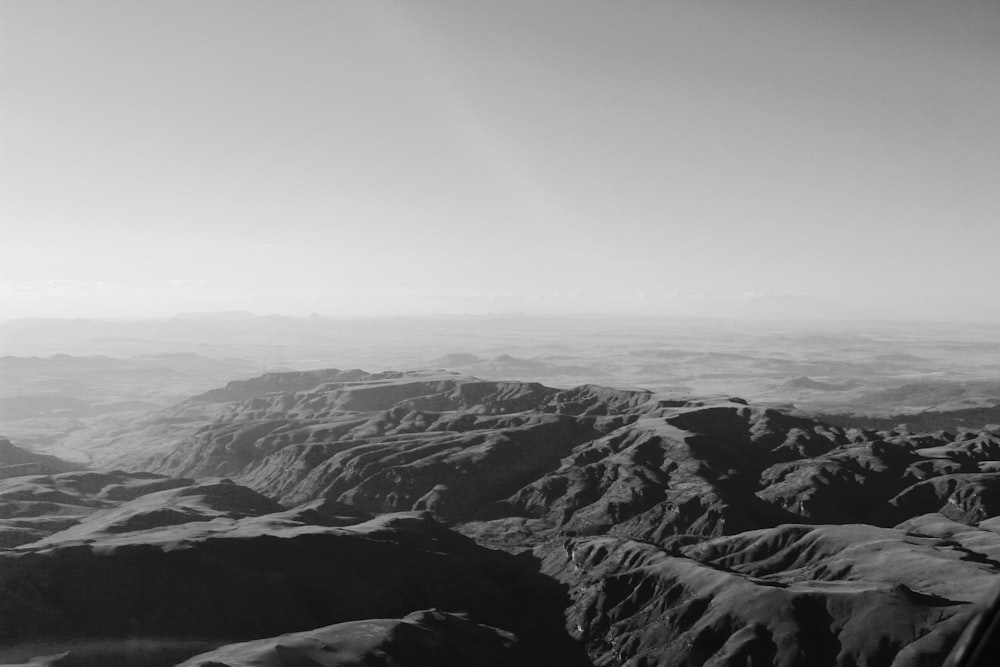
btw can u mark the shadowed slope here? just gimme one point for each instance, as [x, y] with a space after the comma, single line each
[228, 579]
[686, 532]
[421, 638]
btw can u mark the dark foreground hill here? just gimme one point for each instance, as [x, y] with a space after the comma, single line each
[339, 517]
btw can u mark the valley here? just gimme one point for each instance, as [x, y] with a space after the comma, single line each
[335, 516]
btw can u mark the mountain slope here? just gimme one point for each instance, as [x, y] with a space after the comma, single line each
[16, 461]
[558, 526]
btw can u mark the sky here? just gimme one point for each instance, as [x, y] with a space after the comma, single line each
[762, 158]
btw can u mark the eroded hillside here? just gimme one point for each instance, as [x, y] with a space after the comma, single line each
[545, 526]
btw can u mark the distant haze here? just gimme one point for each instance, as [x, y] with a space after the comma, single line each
[754, 159]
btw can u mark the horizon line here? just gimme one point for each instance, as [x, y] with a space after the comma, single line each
[236, 315]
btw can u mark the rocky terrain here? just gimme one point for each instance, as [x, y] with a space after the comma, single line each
[410, 518]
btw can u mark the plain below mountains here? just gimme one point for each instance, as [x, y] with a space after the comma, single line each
[411, 518]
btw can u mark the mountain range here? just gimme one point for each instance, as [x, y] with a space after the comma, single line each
[335, 517]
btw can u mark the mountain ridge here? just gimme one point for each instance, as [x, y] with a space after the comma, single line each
[648, 528]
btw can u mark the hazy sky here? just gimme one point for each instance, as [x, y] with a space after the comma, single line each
[811, 159]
